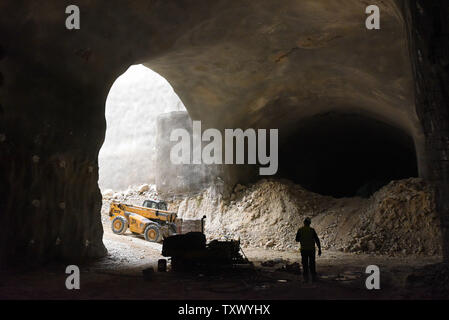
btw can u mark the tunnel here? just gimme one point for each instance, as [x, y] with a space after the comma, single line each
[266, 65]
[345, 155]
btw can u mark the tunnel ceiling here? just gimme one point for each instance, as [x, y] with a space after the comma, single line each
[245, 63]
[273, 63]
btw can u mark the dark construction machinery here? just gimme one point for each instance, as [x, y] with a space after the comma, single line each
[190, 252]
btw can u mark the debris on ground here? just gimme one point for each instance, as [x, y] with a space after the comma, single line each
[435, 276]
[148, 273]
[272, 263]
[291, 268]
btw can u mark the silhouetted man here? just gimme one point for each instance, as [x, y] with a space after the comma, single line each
[308, 237]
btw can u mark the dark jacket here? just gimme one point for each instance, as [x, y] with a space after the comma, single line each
[307, 237]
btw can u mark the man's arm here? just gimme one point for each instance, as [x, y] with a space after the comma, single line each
[298, 235]
[317, 241]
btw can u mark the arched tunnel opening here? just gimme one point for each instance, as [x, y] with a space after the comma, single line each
[134, 102]
[346, 155]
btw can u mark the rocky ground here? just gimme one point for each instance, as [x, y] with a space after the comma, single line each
[275, 276]
[273, 209]
[342, 275]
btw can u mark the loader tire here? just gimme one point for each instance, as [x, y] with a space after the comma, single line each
[152, 233]
[119, 225]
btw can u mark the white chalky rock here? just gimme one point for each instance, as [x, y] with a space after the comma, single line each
[108, 193]
[143, 188]
[116, 195]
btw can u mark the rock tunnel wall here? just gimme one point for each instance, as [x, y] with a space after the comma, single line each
[54, 87]
[233, 64]
[428, 31]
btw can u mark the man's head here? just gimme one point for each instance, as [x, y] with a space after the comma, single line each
[307, 221]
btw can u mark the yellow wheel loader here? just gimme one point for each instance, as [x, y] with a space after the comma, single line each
[151, 219]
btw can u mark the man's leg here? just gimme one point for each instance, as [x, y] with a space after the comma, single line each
[305, 264]
[312, 265]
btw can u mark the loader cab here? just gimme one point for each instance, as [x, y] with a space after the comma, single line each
[154, 204]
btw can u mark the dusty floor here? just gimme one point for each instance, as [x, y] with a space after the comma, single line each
[119, 276]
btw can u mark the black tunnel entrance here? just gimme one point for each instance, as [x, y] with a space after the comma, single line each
[344, 155]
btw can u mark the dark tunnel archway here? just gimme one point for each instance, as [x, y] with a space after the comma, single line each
[344, 155]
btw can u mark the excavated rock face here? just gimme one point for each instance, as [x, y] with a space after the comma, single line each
[264, 64]
[427, 33]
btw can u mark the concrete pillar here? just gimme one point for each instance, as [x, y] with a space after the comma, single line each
[172, 178]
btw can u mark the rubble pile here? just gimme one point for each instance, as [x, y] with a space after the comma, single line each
[400, 218]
